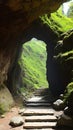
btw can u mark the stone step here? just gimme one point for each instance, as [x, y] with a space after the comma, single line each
[38, 111]
[37, 99]
[41, 101]
[40, 129]
[37, 104]
[41, 92]
[39, 125]
[40, 118]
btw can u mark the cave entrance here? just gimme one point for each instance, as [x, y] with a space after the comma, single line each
[32, 62]
[50, 36]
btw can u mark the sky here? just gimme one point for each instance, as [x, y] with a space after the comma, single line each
[66, 7]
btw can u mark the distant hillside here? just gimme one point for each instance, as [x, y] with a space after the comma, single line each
[33, 64]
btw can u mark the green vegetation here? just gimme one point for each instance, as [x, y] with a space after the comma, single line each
[33, 65]
[64, 57]
[68, 91]
[1, 109]
[58, 22]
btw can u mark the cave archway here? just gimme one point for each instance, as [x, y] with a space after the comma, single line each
[32, 63]
[15, 20]
[40, 32]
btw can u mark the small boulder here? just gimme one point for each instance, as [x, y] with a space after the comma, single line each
[2, 116]
[16, 121]
[58, 105]
[68, 112]
[21, 111]
[65, 120]
[61, 96]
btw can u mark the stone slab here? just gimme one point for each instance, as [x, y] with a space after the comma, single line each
[40, 118]
[39, 125]
[37, 104]
[35, 99]
[38, 112]
[39, 129]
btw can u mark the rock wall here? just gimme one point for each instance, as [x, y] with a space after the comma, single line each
[15, 16]
[6, 99]
[63, 61]
[41, 32]
[59, 63]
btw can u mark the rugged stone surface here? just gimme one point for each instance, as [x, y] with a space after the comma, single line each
[41, 118]
[2, 116]
[68, 112]
[37, 111]
[62, 61]
[47, 35]
[70, 104]
[6, 99]
[39, 125]
[16, 121]
[21, 111]
[65, 120]
[64, 58]
[58, 105]
[15, 16]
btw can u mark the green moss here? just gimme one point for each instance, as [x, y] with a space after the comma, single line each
[58, 22]
[1, 109]
[68, 53]
[68, 35]
[63, 57]
[68, 91]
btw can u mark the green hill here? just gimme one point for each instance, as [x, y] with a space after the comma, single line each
[33, 65]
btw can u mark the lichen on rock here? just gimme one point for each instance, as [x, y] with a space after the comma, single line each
[6, 99]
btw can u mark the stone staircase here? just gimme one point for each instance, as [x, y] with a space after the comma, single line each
[41, 98]
[38, 114]
[39, 118]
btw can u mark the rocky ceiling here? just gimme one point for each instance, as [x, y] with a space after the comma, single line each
[15, 16]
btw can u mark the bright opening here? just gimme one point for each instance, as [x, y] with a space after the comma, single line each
[68, 8]
[33, 66]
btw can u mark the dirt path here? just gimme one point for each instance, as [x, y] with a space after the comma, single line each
[36, 101]
[38, 115]
[4, 122]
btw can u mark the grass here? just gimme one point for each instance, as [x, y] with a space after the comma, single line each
[33, 65]
[58, 22]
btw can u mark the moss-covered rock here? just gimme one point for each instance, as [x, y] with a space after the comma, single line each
[6, 100]
[58, 22]
[68, 90]
[62, 61]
